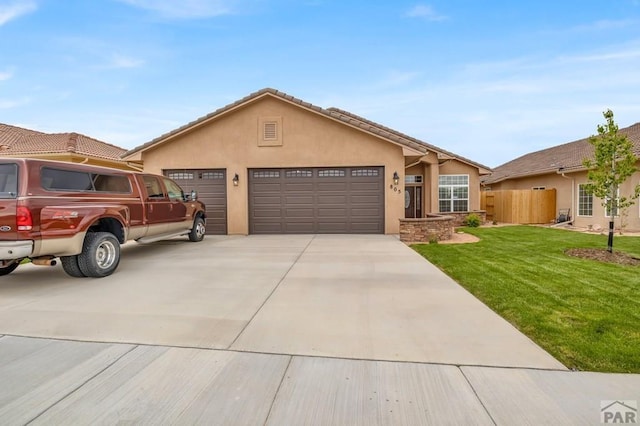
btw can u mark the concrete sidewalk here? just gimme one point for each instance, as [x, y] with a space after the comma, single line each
[62, 382]
[276, 330]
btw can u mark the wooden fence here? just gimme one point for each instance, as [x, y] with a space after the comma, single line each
[520, 206]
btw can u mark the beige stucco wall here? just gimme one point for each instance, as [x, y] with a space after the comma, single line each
[308, 140]
[567, 197]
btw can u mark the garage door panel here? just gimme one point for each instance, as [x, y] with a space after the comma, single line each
[335, 212]
[302, 186]
[299, 199]
[216, 214]
[324, 199]
[268, 200]
[268, 228]
[364, 213]
[269, 213]
[325, 186]
[299, 213]
[333, 228]
[365, 186]
[365, 199]
[300, 228]
[268, 186]
[365, 228]
[320, 200]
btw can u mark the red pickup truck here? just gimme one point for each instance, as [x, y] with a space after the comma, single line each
[81, 214]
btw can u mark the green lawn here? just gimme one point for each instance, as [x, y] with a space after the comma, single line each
[583, 312]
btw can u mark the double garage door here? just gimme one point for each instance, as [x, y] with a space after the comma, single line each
[212, 191]
[328, 200]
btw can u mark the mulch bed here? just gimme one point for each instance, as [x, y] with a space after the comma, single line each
[602, 255]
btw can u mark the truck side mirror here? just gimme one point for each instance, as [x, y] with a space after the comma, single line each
[194, 195]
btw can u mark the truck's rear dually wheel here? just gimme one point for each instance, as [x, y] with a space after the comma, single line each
[6, 270]
[100, 254]
[71, 267]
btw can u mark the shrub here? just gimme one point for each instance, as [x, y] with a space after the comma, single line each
[472, 220]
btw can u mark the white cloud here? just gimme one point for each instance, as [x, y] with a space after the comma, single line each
[607, 56]
[6, 75]
[605, 25]
[184, 9]
[15, 9]
[397, 78]
[120, 61]
[13, 103]
[425, 12]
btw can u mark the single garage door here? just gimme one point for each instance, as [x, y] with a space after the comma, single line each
[327, 200]
[212, 191]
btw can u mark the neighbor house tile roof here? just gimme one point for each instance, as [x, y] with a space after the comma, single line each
[15, 141]
[566, 157]
[333, 113]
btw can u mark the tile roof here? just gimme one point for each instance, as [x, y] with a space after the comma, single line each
[17, 141]
[333, 113]
[386, 130]
[568, 157]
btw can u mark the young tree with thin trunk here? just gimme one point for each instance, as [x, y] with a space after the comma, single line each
[613, 163]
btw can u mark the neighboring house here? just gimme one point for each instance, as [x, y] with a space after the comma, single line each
[272, 163]
[71, 147]
[561, 168]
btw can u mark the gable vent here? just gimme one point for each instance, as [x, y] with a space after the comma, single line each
[270, 131]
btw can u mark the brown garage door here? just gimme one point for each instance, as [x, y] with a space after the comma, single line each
[212, 191]
[328, 200]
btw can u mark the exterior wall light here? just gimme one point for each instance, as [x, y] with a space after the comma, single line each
[396, 178]
[236, 180]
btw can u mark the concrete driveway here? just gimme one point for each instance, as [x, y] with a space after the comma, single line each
[276, 330]
[359, 297]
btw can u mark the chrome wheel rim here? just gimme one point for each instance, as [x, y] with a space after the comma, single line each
[105, 254]
[200, 229]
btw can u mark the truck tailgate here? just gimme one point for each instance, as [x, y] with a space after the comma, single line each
[8, 201]
[8, 231]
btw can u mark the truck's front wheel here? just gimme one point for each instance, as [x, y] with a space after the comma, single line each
[198, 230]
[100, 255]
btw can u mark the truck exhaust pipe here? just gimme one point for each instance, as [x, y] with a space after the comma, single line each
[44, 261]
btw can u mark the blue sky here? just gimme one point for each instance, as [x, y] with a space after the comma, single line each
[487, 80]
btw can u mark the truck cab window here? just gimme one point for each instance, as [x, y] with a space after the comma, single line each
[153, 187]
[173, 190]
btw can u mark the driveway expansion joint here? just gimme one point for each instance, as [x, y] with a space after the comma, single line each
[475, 392]
[313, 237]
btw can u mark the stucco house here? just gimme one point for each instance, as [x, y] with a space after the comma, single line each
[560, 168]
[271, 163]
[72, 147]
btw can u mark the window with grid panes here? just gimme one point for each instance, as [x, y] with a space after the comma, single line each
[453, 193]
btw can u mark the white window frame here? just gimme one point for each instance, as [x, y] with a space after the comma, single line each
[578, 201]
[453, 199]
